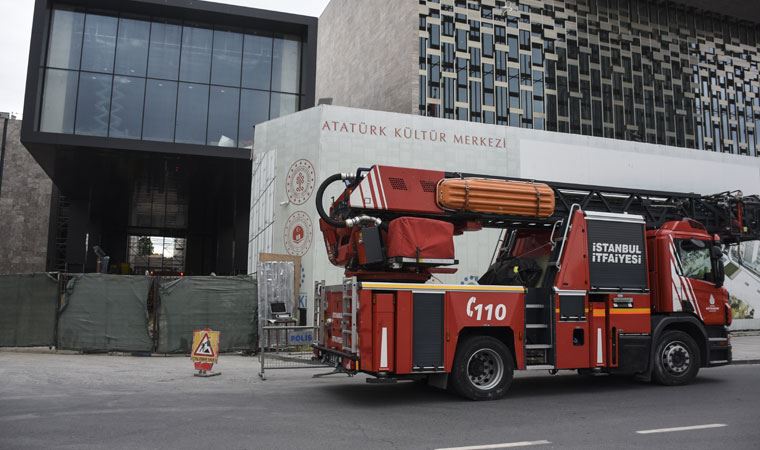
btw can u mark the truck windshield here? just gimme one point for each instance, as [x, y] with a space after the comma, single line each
[695, 259]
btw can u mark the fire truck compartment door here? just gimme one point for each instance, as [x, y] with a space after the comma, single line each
[427, 334]
[572, 330]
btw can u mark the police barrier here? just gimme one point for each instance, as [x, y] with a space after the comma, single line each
[287, 347]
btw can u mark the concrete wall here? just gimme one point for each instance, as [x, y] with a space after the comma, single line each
[24, 207]
[368, 56]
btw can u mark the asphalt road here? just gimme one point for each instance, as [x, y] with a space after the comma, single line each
[72, 401]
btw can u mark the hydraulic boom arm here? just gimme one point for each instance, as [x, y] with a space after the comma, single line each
[360, 226]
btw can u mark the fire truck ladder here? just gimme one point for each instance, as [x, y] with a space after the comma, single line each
[349, 314]
[539, 350]
[731, 215]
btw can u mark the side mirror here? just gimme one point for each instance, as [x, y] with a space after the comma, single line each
[718, 271]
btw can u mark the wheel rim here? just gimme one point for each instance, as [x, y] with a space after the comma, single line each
[676, 358]
[485, 369]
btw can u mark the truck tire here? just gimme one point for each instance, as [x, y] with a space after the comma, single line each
[483, 368]
[676, 359]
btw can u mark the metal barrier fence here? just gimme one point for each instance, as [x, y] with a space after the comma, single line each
[287, 347]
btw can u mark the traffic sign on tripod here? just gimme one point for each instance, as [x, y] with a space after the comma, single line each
[205, 351]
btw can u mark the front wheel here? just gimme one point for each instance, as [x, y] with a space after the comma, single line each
[677, 359]
[483, 368]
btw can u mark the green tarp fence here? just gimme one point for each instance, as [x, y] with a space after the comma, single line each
[28, 304]
[225, 304]
[105, 313]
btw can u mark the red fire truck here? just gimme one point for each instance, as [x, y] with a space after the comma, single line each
[588, 278]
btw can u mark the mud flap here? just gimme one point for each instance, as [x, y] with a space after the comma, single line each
[439, 380]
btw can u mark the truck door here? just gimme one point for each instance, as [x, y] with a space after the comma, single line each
[698, 293]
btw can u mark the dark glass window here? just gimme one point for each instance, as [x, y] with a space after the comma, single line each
[524, 40]
[488, 85]
[286, 64]
[422, 52]
[160, 109]
[501, 105]
[127, 107]
[694, 259]
[513, 49]
[434, 31]
[282, 104]
[254, 109]
[461, 40]
[422, 93]
[99, 43]
[59, 101]
[475, 30]
[527, 106]
[192, 109]
[195, 60]
[448, 26]
[537, 55]
[448, 98]
[223, 116]
[448, 57]
[475, 104]
[434, 76]
[501, 66]
[65, 47]
[487, 45]
[93, 104]
[148, 58]
[475, 62]
[163, 59]
[500, 34]
[525, 71]
[226, 60]
[257, 62]
[132, 47]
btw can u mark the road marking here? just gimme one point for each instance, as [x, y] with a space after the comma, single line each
[504, 445]
[693, 427]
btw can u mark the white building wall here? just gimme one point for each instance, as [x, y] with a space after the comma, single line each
[334, 139]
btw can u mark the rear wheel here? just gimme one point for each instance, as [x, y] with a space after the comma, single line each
[676, 359]
[483, 368]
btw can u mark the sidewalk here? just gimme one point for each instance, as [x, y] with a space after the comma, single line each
[746, 350]
[746, 347]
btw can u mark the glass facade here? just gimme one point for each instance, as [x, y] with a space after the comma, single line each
[637, 70]
[133, 78]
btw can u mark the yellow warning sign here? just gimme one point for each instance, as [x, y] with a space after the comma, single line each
[205, 346]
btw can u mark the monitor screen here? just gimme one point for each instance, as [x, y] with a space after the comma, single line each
[278, 308]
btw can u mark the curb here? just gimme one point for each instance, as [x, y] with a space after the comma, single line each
[745, 362]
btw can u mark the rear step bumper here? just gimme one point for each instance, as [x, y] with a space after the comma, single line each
[331, 355]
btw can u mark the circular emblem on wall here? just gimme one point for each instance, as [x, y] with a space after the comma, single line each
[300, 181]
[298, 234]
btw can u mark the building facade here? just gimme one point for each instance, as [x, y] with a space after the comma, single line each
[682, 73]
[295, 153]
[142, 112]
[24, 204]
